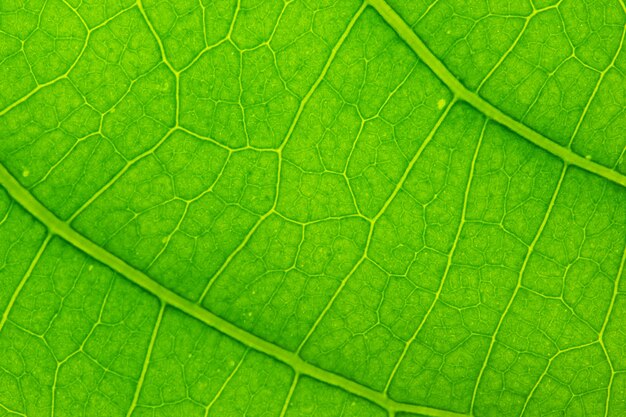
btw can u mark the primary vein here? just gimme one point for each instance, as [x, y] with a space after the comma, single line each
[62, 229]
[439, 69]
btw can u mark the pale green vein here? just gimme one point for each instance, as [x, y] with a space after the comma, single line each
[22, 282]
[408, 35]
[294, 383]
[373, 222]
[158, 40]
[546, 371]
[609, 313]
[457, 238]
[62, 229]
[521, 33]
[66, 74]
[284, 142]
[597, 88]
[146, 363]
[226, 383]
[518, 286]
[8, 410]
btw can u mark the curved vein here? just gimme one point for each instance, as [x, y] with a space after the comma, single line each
[439, 69]
[518, 286]
[60, 228]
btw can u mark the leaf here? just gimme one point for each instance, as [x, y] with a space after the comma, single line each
[313, 207]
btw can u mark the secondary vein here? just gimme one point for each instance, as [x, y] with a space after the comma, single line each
[403, 29]
[60, 228]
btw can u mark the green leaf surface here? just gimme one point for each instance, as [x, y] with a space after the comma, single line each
[326, 208]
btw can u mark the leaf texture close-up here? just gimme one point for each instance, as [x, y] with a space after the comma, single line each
[283, 208]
